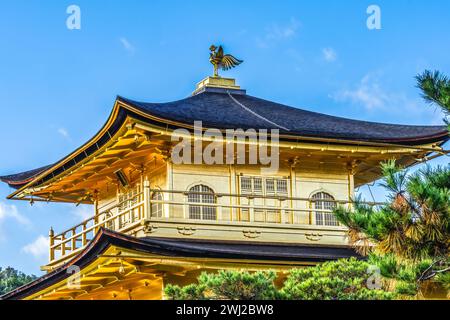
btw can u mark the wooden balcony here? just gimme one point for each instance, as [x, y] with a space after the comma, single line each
[250, 217]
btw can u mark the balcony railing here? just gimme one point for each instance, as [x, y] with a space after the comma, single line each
[165, 205]
[119, 216]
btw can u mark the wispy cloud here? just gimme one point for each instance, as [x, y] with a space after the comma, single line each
[277, 32]
[296, 58]
[367, 93]
[83, 212]
[329, 54]
[127, 45]
[372, 95]
[11, 212]
[38, 248]
[63, 132]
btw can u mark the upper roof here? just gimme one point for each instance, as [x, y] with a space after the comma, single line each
[224, 110]
[232, 109]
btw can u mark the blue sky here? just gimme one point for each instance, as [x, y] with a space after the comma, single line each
[57, 86]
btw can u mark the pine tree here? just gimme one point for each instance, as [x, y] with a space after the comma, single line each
[409, 237]
[345, 279]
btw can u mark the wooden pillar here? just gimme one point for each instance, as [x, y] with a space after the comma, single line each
[230, 190]
[147, 199]
[310, 212]
[294, 204]
[351, 185]
[293, 189]
[238, 189]
[96, 216]
[351, 169]
[168, 207]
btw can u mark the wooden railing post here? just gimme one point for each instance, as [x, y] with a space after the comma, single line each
[63, 245]
[251, 211]
[51, 237]
[219, 212]
[83, 237]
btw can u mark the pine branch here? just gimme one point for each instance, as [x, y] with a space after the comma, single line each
[435, 88]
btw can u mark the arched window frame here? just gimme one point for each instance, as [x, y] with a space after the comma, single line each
[201, 193]
[320, 203]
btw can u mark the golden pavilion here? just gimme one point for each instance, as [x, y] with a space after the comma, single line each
[156, 220]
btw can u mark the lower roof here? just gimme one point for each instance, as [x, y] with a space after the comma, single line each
[233, 250]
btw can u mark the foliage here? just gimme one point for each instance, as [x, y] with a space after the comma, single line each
[415, 224]
[231, 285]
[444, 280]
[406, 288]
[435, 89]
[11, 279]
[344, 279]
[409, 237]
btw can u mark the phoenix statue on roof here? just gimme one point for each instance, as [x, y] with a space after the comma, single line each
[221, 60]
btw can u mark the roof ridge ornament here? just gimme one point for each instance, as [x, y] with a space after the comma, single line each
[220, 60]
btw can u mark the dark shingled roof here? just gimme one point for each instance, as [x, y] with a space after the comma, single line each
[23, 177]
[222, 109]
[185, 248]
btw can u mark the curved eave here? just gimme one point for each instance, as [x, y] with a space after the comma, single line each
[182, 248]
[20, 185]
[124, 110]
[120, 114]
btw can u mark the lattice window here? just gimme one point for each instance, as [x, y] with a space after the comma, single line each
[127, 202]
[255, 185]
[270, 186]
[321, 203]
[202, 194]
[156, 208]
[128, 199]
[258, 185]
[246, 185]
[282, 186]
